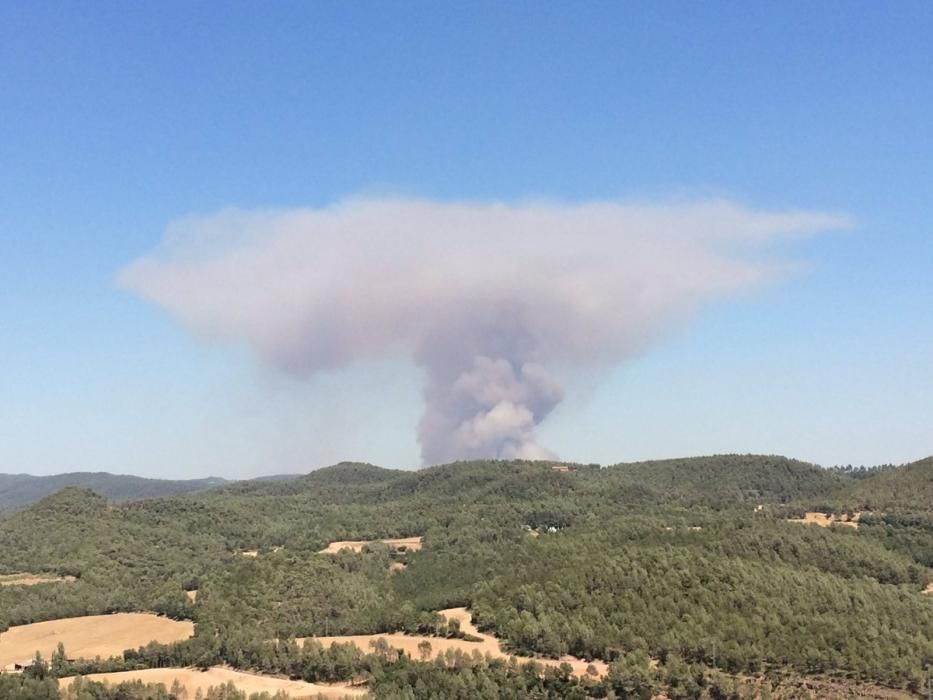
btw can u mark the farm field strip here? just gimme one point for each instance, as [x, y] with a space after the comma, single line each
[25, 579]
[91, 636]
[487, 644]
[823, 520]
[410, 543]
[194, 680]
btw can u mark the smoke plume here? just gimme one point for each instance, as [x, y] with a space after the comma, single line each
[487, 298]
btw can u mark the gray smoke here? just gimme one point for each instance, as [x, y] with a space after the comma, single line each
[487, 298]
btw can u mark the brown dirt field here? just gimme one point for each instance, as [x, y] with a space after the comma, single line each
[413, 544]
[33, 579]
[88, 637]
[824, 520]
[194, 680]
[192, 596]
[488, 644]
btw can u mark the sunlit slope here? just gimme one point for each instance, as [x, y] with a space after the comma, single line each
[909, 487]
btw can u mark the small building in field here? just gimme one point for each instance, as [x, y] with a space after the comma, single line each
[18, 666]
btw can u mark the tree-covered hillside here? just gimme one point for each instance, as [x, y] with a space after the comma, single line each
[907, 487]
[672, 572]
[723, 481]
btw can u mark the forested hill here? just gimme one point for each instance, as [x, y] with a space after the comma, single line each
[347, 480]
[909, 486]
[718, 480]
[19, 490]
[685, 576]
[724, 479]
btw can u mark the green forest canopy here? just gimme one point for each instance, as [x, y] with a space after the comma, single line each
[689, 562]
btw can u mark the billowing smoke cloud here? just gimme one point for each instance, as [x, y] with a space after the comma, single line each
[487, 298]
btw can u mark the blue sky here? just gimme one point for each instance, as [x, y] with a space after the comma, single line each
[116, 120]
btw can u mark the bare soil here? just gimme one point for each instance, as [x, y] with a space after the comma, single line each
[823, 520]
[194, 680]
[89, 637]
[412, 544]
[33, 579]
[487, 645]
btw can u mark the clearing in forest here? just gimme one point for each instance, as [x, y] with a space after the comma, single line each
[823, 520]
[32, 579]
[91, 636]
[412, 544]
[929, 589]
[487, 644]
[194, 680]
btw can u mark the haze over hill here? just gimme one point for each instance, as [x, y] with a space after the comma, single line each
[676, 479]
[18, 490]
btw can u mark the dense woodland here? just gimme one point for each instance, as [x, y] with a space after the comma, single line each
[684, 575]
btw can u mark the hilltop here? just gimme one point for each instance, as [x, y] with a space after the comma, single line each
[713, 480]
[19, 490]
[907, 487]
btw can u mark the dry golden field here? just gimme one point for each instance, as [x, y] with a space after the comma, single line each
[487, 644]
[194, 680]
[824, 520]
[410, 543]
[32, 579]
[89, 637]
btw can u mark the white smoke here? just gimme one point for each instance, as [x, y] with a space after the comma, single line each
[484, 297]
